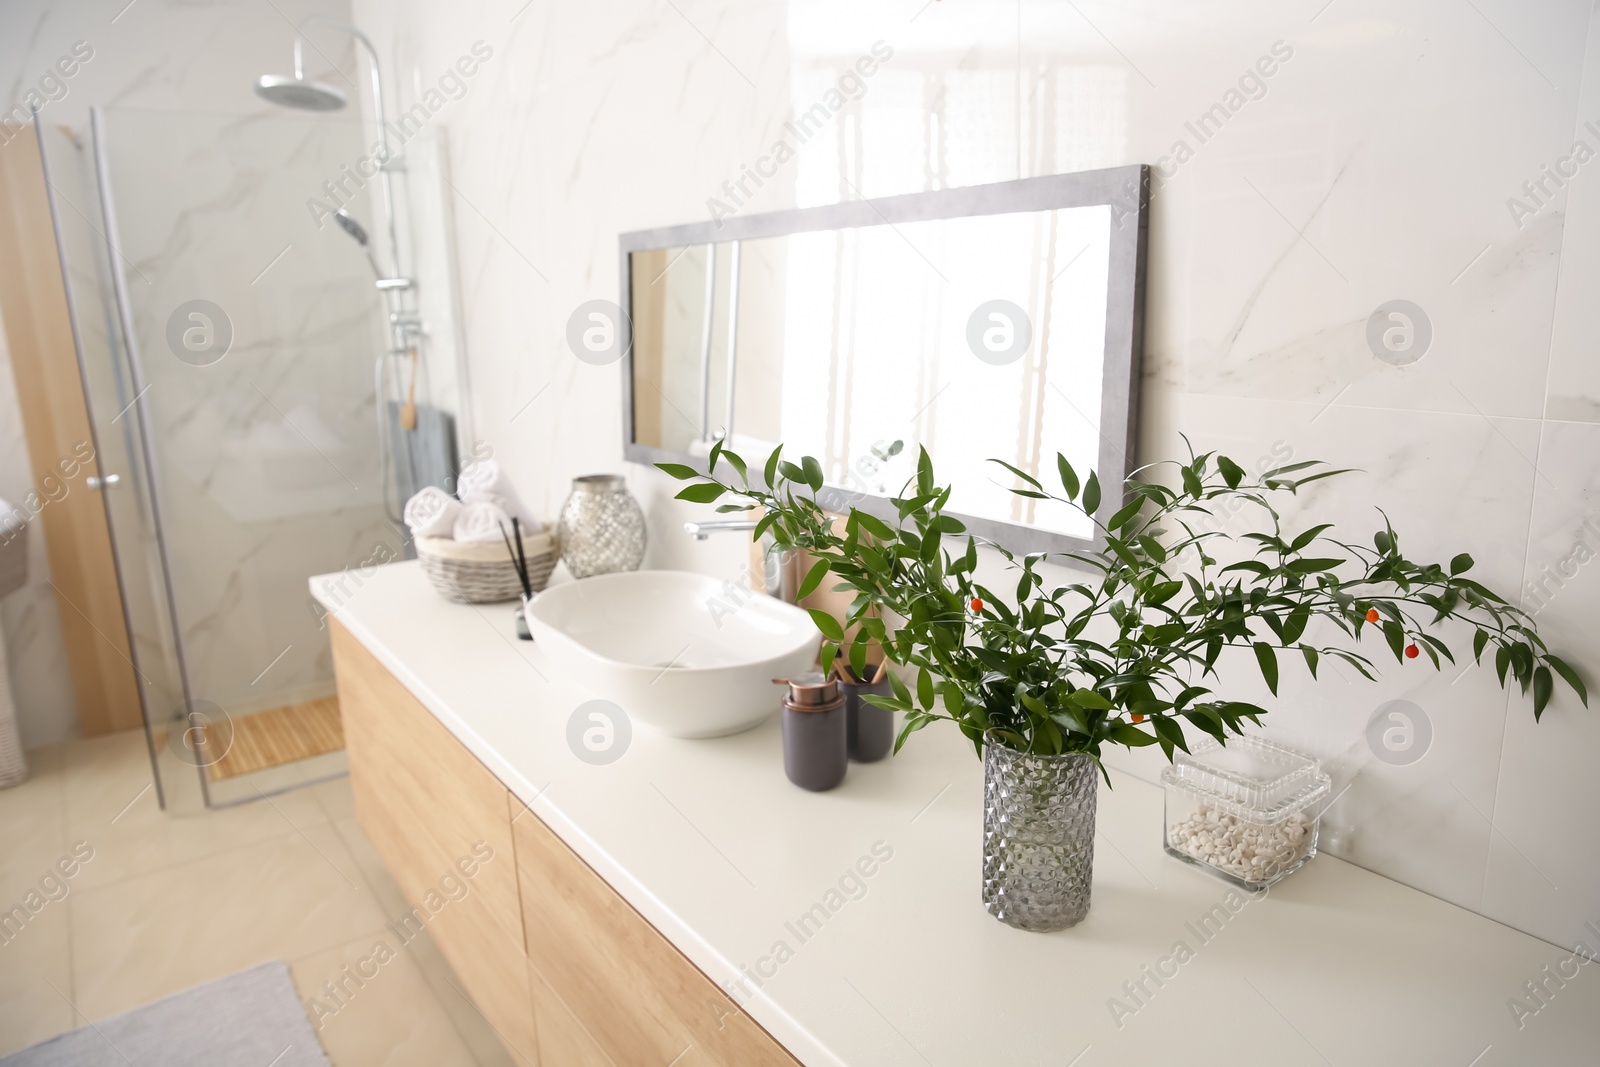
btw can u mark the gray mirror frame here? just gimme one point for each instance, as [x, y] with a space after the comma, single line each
[1125, 189]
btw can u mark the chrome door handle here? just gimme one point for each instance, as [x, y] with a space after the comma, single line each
[108, 482]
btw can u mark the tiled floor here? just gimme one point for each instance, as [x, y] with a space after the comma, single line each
[167, 902]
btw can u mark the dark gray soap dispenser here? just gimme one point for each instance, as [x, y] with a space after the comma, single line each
[815, 731]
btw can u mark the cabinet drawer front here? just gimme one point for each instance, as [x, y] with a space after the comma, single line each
[563, 1041]
[434, 814]
[634, 994]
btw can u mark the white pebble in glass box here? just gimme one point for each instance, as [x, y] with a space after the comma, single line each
[1247, 811]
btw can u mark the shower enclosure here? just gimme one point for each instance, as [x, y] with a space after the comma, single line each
[246, 398]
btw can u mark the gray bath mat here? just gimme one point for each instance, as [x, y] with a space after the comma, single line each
[249, 1019]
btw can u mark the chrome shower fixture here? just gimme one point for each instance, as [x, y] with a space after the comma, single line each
[299, 92]
[349, 225]
[304, 94]
[404, 319]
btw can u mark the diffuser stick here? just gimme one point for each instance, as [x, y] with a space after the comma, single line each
[522, 558]
[520, 567]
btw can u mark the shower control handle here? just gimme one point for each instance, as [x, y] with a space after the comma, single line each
[110, 481]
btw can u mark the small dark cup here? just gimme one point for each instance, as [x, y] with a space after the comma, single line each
[869, 729]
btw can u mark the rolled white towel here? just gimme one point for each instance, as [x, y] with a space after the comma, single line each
[511, 506]
[484, 476]
[432, 512]
[482, 522]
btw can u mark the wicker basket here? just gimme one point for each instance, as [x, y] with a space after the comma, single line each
[480, 572]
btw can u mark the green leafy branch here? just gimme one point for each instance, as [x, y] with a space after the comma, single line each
[1124, 658]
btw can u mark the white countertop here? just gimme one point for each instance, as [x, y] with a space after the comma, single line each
[710, 842]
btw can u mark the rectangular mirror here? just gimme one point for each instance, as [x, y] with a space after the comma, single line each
[999, 321]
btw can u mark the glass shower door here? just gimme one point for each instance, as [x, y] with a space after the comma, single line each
[80, 241]
[244, 394]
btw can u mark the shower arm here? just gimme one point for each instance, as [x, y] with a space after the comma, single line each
[383, 119]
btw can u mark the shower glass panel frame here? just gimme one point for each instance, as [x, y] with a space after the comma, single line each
[231, 342]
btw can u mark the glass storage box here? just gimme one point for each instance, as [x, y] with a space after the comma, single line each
[1247, 812]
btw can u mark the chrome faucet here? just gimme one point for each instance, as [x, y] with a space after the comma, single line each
[700, 531]
[782, 579]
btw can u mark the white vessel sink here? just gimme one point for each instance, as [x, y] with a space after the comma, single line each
[672, 649]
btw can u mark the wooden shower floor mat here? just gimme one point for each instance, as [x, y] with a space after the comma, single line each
[281, 735]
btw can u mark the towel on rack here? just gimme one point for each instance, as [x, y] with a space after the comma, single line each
[432, 512]
[482, 521]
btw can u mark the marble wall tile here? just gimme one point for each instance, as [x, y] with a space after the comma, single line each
[1424, 822]
[1542, 875]
[1573, 392]
[1342, 188]
[266, 461]
[184, 59]
[1376, 165]
[1543, 869]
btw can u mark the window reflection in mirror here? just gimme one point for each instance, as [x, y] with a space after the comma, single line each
[975, 337]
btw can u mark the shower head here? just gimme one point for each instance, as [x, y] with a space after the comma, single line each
[349, 225]
[302, 94]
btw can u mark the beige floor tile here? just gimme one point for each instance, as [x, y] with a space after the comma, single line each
[32, 823]
[388, 894]
[285, 897]
[469, 1022]
[102, 774]
[336, 799]
[31, 1009]
[110, 804]
[480, 1037]
[299, 806]
[381, 1012]
[42, 786]
[170, 901]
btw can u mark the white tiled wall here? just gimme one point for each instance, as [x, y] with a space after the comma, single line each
[1376, 166]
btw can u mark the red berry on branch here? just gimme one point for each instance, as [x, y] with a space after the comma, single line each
[977, 605]
[1137, 717]
[1412, 652]
[1372, 614]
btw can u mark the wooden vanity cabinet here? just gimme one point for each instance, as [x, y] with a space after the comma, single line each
[563, 968]
[432, 812]
[628, 987]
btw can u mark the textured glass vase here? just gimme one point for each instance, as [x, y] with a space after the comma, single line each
[602, 528]
[1038, 837]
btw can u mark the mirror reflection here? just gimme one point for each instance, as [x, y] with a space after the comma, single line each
[975, 336]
